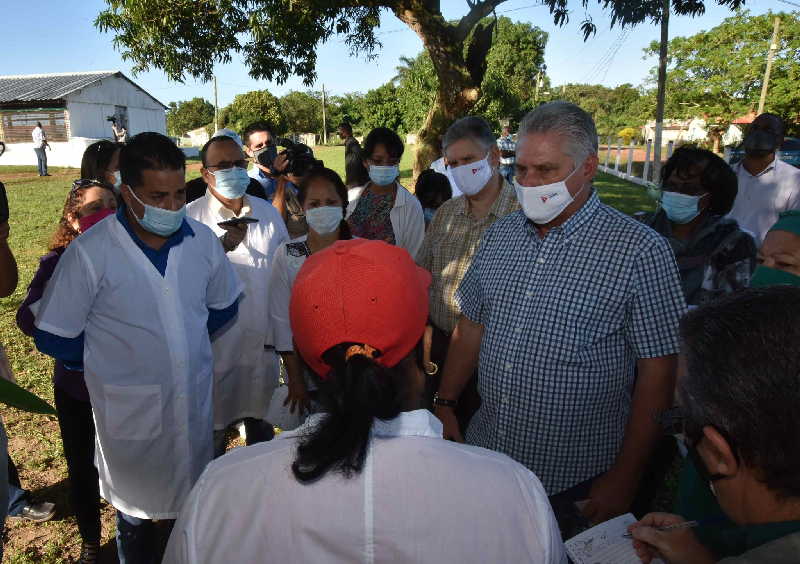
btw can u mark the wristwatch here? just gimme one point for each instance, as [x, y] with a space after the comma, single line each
[443, 402]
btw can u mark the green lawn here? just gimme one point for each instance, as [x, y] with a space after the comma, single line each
[34, 440]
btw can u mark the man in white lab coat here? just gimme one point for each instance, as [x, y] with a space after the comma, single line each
[134, 301]
[245, 372]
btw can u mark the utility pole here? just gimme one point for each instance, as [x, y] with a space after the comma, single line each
[662, 91]
[324, 120]
[773, 46]
[216, 106]
[536, 89]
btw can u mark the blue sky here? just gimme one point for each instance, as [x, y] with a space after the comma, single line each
[67, 41]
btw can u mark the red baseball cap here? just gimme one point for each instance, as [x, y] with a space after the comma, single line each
[359, 291]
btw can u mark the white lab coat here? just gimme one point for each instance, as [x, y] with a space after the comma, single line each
[245, 373]
[408, 221]
[147, 358]
[418, 499]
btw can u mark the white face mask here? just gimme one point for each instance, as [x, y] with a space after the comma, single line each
[542, 204]
[324, 219]
[471, 178]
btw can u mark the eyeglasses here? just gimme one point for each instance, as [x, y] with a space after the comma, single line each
[225, 165]
[82, 183]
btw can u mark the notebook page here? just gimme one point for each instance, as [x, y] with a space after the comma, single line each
[604, 544]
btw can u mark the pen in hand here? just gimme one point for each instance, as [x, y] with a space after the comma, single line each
[684, 525]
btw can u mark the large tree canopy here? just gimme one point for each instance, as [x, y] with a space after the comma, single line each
[253, 106]
[719, 73]
[303, 111]
[187, 115]
[279, 38]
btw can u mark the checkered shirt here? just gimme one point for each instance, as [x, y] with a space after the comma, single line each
[565, 318]
[507, 143]
[450, 243]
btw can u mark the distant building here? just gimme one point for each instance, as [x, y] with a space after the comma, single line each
[196, 137]
[74, 109]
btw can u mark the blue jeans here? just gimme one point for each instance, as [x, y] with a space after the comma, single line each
[507, 172]
[141, 541]
[41, 160]
[17, 497]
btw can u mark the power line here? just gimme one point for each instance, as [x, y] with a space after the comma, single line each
[790, 3]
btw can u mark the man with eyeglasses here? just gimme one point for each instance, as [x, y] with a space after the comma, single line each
[738, 389]
[196, 188]
[245, 371]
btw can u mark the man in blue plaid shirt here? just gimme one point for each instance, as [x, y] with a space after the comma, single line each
[508, 149]
[562, 301]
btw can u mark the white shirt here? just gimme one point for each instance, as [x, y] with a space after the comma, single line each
[408, 221]
[418, 499]
[762, 197]
[147, 357]
[439, 166]
[38, 137]
[245, 373]
[284, 271]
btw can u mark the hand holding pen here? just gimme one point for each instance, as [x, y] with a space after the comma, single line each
[669, 537]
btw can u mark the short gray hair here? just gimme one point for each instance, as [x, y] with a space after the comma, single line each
[567, 119]
[474, 128]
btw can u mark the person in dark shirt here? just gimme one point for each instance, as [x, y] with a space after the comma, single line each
[355, 173]
[89, 201]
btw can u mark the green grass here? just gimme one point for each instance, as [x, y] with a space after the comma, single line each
[35, 443]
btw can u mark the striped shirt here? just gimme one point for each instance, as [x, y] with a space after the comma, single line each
[565, 319]
[450, 243]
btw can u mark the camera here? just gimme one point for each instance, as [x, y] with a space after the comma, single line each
[299, 158]
[112, 119]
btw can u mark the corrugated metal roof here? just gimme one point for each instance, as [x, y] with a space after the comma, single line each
[41, 87]
[55, 86]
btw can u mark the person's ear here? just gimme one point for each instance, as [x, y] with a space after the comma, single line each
[494, 156]
[589, 167]
[717, 453]
[208, 176]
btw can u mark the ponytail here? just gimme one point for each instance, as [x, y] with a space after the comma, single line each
[357, 391]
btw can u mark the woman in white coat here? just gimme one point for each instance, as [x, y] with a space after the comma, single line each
[382, 209]
[323, 196]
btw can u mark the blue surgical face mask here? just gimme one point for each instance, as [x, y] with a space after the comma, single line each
[383, 175]
[680, 208]
[231, 183]
[324, 219]
[159, 221]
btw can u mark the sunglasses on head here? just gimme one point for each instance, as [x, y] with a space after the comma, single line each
[81, 183]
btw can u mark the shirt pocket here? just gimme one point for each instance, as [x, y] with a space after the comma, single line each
[133, 413]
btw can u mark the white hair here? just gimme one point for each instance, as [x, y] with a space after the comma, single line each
[567, 119]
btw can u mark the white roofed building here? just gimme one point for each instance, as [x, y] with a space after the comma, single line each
[73, 109]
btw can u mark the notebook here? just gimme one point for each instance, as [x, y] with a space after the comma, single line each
[604, 544]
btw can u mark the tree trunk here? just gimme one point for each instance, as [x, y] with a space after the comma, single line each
[458, 54]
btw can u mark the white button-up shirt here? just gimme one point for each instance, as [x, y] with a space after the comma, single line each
[418, 499]
[245, 373]
[762, 197]
[147, 358]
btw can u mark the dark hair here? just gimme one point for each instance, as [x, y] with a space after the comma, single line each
[717, 176]
[777, 118]
[386, 137]
[743, 378]
[213, 141]
[431, 187]
[356, 392]
[254, 127]
[96, 158]
[347, 127]
[341, 190]
[65, 232]
[148, 151]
